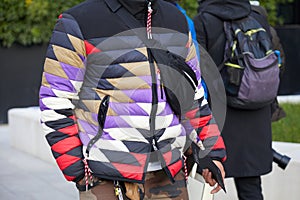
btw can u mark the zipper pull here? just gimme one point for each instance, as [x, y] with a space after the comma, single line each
[149, 20]
[161, 90]
[118, 191]
[161, 84]
[154, 145]
[186, 174]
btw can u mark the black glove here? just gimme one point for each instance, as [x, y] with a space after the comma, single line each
[207, 163]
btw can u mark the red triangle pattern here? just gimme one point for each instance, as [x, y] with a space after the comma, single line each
[210, 130]
[69, 178]
[200, 121]
[175, 167]
[192, 113]
[66, 145]
[132, 171]
[66, 160]
[188, 44]
[90, 49]
[220, 145]
[168, 156]
[70, 130]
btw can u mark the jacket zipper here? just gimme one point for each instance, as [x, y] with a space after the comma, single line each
[153, 73]
[154, 93]
[101, 120]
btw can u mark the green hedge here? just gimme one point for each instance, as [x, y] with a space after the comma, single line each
[270, 5]
[31, 21]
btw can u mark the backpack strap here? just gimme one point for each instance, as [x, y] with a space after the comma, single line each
[228, 39]
[231, 44]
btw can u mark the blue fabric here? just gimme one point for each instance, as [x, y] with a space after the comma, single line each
[277, 52]
[193, 33]
[191, 27]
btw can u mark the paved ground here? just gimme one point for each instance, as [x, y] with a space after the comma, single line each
[24, 177]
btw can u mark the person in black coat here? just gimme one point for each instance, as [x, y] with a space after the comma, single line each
[247, 133]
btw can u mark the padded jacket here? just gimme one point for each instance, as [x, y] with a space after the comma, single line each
[101, 96]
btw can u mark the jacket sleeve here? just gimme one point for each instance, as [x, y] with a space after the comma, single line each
[64, 68]
[200, 116]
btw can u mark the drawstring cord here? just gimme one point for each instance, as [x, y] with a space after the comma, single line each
[88, 175]
[185, 168]
[149, 20]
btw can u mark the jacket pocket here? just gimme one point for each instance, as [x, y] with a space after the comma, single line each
[103, 108]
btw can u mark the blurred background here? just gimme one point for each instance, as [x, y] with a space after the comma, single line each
[25, 29]
[26, 26]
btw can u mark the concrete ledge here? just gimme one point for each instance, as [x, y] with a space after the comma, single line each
[26, 133]
[289, 99]
[279, 184]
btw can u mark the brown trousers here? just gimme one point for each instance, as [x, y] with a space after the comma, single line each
[157, 186]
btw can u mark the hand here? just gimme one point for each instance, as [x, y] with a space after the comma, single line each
[207, 175]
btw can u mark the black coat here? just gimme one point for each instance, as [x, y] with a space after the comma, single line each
[247, 134]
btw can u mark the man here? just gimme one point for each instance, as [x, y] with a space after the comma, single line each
[247, 133]
[104, 107]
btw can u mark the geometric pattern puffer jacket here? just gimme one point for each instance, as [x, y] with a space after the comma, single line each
[101, 100]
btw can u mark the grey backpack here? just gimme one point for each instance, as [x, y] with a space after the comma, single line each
[250, 70]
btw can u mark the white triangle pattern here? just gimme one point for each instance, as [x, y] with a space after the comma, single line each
[171, 132]
[146, 107]
[112, 145]
[126, 134]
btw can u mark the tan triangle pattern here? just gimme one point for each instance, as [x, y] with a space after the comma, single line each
[126, 83]
[53, 67]
[78, 44]
[44, 81]
[86, 116]
[192, 50]
[67, 56]
[115, 95]
[191, 54]
[92, 105]
[81, 129]
[137, 68]
[111, 112]
[142, 50]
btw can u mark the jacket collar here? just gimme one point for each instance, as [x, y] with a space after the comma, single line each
[135, 6]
